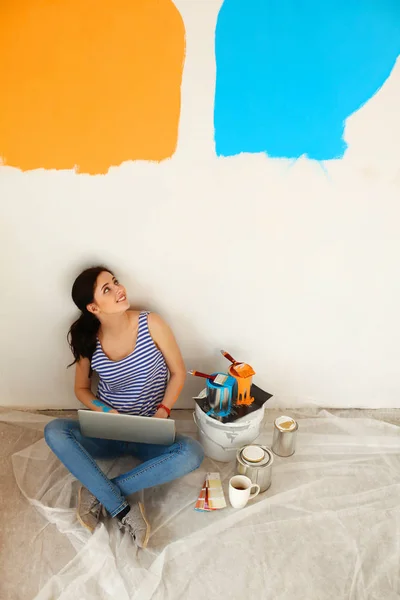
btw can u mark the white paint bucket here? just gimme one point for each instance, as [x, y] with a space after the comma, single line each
[221, 441]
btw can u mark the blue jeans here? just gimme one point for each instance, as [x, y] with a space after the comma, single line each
[160, 464]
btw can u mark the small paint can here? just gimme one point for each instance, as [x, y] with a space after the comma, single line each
[256, 462]
[284, 439]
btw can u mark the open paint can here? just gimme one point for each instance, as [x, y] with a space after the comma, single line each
[221, 395]
[285, 433]
[256, 463]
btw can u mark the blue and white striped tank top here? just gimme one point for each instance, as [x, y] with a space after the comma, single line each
[135, 384]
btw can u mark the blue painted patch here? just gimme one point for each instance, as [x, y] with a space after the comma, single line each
[289, 72]
[103, 407]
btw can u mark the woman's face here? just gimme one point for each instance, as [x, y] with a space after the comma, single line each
[109, 296]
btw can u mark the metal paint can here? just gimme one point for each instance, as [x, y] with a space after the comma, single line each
[220, 396]
[243, 389]
[255, 462]
[284, 439]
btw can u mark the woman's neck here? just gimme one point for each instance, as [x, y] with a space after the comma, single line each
[114, 325]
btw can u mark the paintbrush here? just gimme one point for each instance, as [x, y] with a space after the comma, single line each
[200, 374]
[241, 369]
[218, 378]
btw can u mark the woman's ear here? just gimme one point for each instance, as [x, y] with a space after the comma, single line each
[92, 308]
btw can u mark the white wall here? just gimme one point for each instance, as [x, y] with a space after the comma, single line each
[303, 283]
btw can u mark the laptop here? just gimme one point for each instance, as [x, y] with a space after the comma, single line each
[127, 428]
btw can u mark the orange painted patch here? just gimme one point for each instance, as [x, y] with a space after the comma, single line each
[89, 83]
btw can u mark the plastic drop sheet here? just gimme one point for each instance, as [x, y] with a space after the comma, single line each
[327, 529]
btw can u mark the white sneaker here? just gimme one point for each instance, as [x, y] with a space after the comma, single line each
[89, 509]
[136, 524]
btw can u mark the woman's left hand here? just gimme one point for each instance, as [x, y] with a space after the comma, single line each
[161, 414]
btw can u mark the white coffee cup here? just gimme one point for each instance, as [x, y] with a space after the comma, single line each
[240, 493]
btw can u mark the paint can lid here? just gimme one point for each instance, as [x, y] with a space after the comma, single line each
[248, 451]
[253, 454]
[285, 423]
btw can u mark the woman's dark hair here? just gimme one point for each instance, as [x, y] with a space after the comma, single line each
[82, 334]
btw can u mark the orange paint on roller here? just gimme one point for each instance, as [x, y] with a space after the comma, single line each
[89, 84]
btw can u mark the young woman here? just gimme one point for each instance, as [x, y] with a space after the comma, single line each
[141, 372]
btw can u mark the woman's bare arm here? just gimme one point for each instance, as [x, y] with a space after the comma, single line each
[83, 388]
[165, 341]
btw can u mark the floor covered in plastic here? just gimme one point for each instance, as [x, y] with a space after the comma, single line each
[327, 529]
